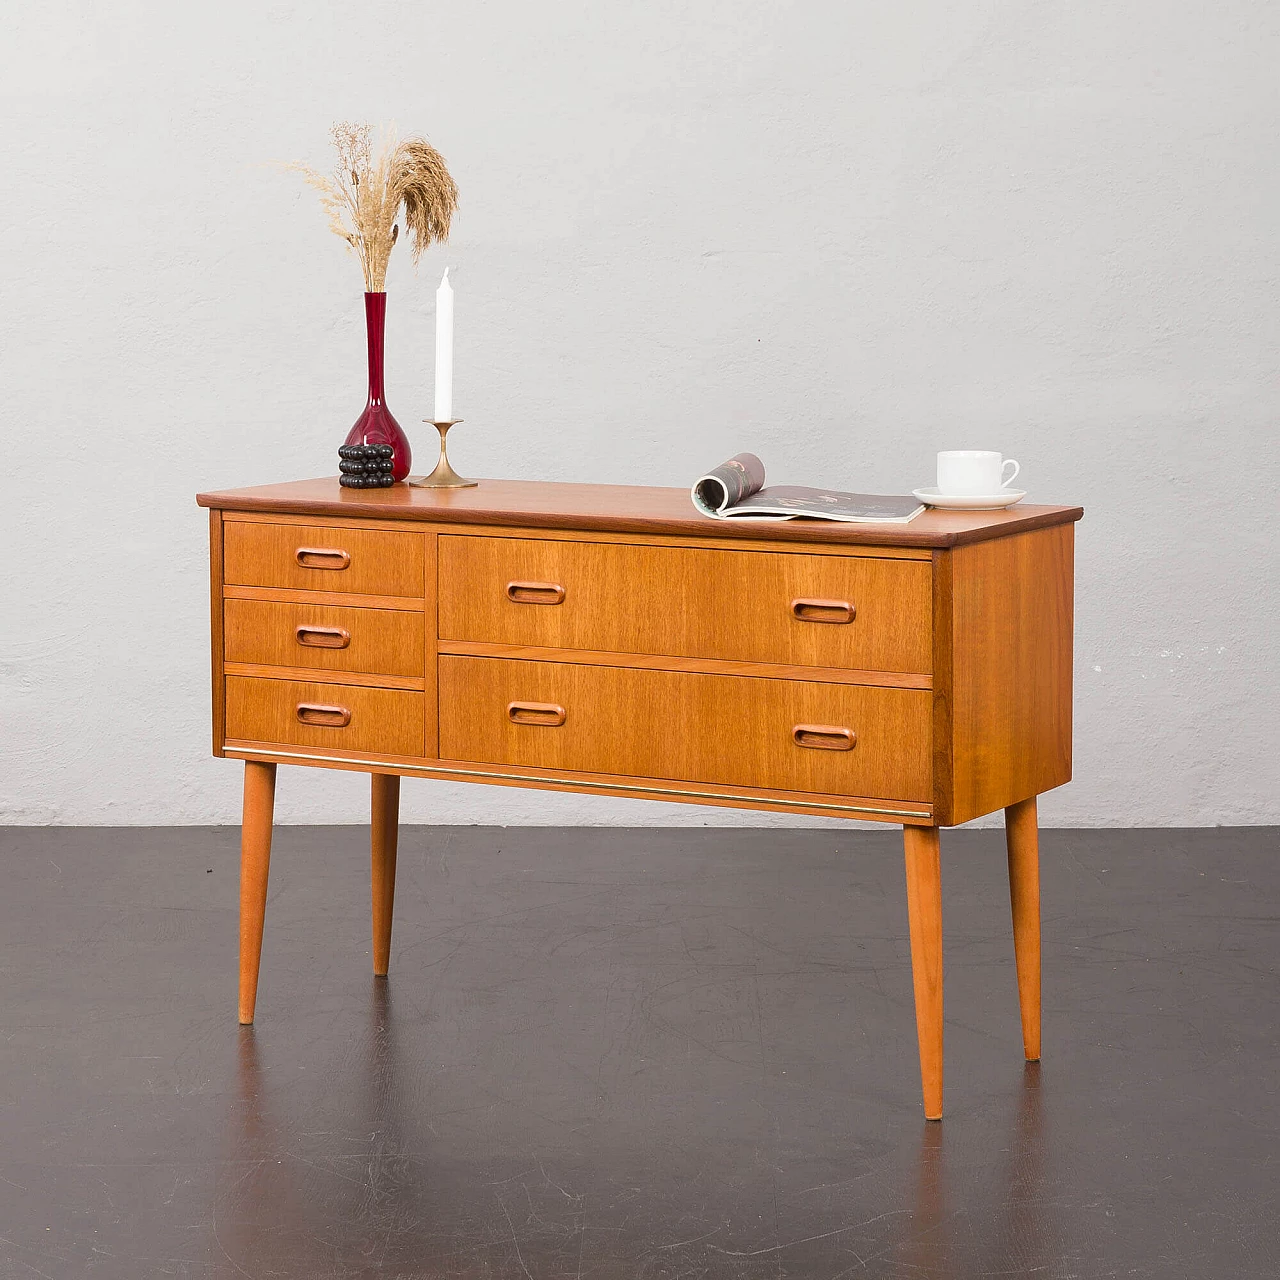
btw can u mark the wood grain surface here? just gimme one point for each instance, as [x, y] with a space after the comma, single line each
[564, 637]
[735, 605]
[725, 795]
[378, 562]
[671, 662]
[350, 600]
[378, 641]
[695, 728]
[255, 863]
[1022, 837]
[924, 918]
[257, 670]
[266, 710]
[431, 704]
[217, 691]
[709, 540]
[1009, 686]
[621, 508]
[942, 666]
[384, 832]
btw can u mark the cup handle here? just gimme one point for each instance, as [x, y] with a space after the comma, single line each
[1004, 484]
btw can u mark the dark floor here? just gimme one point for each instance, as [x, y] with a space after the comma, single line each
[637, 1053]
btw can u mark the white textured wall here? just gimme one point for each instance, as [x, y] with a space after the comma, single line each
[844, 235]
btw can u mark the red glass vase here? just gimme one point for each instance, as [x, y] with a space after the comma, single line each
[376, 425]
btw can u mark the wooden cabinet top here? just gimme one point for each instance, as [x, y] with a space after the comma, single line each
[618, 509]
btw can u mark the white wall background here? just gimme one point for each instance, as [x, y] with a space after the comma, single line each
[844, 235]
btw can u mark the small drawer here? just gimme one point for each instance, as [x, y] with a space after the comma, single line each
[367, 562]
[302, 714]
[854, 612]
[383, 642]
[789, 735]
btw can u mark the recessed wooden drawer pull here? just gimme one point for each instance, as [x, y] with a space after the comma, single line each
[823, 737]
[535, 592]
[822, 610]
[323, 637]
[321, 558]
[329, 717]
[546, 713]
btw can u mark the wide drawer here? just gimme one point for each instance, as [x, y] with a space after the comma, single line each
[305, 714]
[386, 642]
[781, 734]
[377, 562]
[808, 610]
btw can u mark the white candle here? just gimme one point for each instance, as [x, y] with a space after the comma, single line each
[444, 349]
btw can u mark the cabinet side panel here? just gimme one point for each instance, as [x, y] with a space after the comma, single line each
[1012, 602]
[215, 630]
[431, 606]
[943, 617]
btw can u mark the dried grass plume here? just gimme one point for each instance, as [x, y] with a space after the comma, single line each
[370, 188]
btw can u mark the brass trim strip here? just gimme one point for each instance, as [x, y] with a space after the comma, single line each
[246, 753]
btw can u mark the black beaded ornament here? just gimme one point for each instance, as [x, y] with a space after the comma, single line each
[365, 466]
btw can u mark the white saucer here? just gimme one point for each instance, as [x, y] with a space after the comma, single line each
[969, 502]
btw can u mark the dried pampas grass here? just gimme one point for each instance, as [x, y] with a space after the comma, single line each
[369, 188]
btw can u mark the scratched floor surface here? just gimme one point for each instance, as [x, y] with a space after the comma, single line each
[634, 1053]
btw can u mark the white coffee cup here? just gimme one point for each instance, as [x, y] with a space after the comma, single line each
[973, 472]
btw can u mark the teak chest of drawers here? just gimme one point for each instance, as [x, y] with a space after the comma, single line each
[612, 640]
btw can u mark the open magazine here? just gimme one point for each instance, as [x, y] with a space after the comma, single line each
[736, 488]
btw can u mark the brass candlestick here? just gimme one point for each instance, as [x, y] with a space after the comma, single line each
[444, 476]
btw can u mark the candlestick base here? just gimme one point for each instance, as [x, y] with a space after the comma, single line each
[444, 476]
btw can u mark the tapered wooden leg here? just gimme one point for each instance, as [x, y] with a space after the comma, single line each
[255, 859]
[1023, 838]
[924, 911]
[384, 828]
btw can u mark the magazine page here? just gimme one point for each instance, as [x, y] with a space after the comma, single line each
[735, 490]
[728, 484]
[827, 504]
